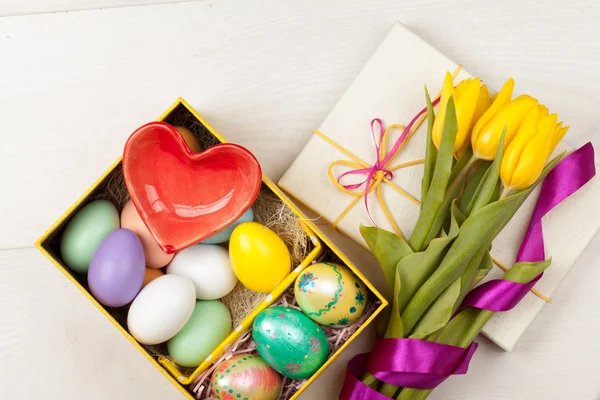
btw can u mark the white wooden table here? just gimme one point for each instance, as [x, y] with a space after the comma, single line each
[76, 77]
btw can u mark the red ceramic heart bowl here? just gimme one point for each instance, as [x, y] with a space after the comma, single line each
[185, 197]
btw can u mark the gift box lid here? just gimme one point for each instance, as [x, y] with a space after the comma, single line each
[390, 87]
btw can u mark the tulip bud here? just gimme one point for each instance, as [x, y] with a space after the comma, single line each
[471, 99]
[531, 147]
[486, 137]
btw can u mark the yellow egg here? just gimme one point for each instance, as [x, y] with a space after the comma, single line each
[330, 294]
[258, 256]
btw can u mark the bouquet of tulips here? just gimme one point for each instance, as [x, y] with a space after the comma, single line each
[484, 156]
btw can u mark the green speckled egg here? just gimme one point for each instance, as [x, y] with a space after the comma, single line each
[290, 342]
[330, 294]
[84, 233]
[245, 377]
[208, 326]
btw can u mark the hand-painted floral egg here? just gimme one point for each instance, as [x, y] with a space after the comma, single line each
[290, 342]
[84, 233]
[223, 235]
[245, 376]
[117, 269]
[258, 256]
[330, 294]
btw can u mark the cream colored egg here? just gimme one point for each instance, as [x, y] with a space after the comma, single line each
[161, 309]
[208, 267]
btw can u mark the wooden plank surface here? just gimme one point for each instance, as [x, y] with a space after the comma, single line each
[56, 345]
[73, 85]
[20, 7]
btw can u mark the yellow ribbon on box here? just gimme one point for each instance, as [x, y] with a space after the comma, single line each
[383, 175]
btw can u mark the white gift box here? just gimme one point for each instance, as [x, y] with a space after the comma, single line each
[390, 87]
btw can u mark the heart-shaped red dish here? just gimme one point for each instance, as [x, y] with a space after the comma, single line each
[185, 197]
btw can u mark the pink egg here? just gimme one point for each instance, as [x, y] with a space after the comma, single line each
[155, 257]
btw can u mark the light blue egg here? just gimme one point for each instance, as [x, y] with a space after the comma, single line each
[224, 235]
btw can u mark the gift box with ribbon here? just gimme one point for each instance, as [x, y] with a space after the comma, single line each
[356, 170]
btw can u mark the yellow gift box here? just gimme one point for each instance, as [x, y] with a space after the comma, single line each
[185, 115]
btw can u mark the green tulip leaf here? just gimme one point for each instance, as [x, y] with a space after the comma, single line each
[489, 184]
[439, 180]
[477, 232]
[394, 327]
[484, 268]
[451, 194]
[388, 248]
[462, 329]
[440, 312]
[471, 270]
[415, 269]
[461, 163]
[525, 272]
[430, 150]
[458, 214]
[472, 187]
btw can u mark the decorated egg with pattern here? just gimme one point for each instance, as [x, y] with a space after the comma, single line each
[330, 294]
[290, 342]
[245, 377]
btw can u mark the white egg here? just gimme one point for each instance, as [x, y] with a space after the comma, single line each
[208, 266]
[161, 309]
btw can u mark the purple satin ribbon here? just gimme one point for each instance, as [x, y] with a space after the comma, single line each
[424, 365]
[565, 179]
[419, 365]
[407, 363]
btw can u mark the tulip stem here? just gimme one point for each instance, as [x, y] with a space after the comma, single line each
[451, 191]
[506, 191]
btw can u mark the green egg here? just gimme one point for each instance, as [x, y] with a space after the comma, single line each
[290, 342]
[208, 326]
[84, 233]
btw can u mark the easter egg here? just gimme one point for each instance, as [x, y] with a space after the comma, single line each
[117, 269]
[259, 257]
[161, 309]
[208, 326]
[84, 233]
[330, 294]
[245, 376]
[224, 235]
[208, 267]
[290, 342]
[130, 219]
[190, 139]
[151, 274]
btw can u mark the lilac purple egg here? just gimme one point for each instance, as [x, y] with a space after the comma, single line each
[117, 269]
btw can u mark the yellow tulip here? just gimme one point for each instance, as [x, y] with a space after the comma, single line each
[471, 99]
[503, 112]
[531, 147]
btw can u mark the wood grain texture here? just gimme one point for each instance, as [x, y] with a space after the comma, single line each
[54, 344]
[19, 7]
[74, 85]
